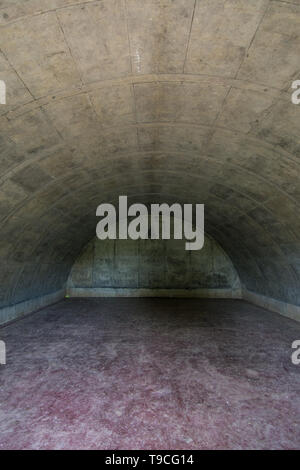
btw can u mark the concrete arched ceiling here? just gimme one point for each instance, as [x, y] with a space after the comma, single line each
[162, 100]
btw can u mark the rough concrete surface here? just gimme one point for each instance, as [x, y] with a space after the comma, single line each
[150, 374]
[152, 264]
[162, 100]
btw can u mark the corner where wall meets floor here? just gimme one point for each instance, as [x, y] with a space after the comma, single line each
[12, 313]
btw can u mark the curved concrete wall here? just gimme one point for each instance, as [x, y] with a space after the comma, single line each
[162, 100]
[151, 264]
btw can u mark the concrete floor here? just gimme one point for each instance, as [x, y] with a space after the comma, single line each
[150, 374]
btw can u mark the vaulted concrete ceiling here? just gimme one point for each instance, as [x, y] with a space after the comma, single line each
[162, 100]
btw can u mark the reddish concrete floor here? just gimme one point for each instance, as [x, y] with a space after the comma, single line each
[150, 374]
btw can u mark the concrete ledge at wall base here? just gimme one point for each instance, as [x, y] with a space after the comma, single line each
[8, 314]
[285, 309]
[173, 293]
[13, 312]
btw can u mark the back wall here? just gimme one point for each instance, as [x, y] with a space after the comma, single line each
[151, 264]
